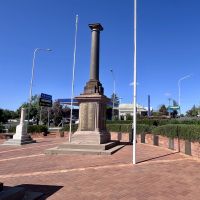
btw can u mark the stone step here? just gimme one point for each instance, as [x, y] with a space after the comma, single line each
[105, 146]
[82, 151]
[18, 142]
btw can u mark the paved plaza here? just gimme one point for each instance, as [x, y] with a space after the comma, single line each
[161, 174]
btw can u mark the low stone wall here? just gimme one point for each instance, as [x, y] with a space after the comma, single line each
[121, 137]
[186, 147]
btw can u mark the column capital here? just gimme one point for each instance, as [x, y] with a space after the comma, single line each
[96, 26]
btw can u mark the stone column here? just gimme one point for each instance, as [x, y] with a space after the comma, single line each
[23, 115]
[94, 62]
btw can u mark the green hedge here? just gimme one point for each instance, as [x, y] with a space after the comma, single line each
[119, 122]
[150, 122]
[37, 129]
[169, 130]
[183, 131]
[160, 122]
[1, 128]
[157, 122]
[144, 128]
[12, 129]
[123, 128]
[31, 129]
[127, 128]
[66, 127]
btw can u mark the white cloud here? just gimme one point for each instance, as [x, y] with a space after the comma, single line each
[167, 94]
[132, 83]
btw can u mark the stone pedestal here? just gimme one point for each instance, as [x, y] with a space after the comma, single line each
[92, 120]
[21, 136]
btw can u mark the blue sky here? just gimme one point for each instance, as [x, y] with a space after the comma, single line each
[168, 48]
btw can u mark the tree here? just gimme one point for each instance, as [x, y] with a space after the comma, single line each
[56, 111]
[163, 110]
[5, 115]
[115, 98]
[129, 117]
[175, 112]
[175, 103]
[34, 108]
[193, 112]
[66, 112]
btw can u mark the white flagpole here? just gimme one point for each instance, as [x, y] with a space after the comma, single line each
[72, 96]
[134, 85]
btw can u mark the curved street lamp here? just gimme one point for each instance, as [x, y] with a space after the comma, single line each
[32, 76]
[179, 90]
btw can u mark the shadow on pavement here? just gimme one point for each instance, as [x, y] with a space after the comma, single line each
[47, 190]
[157, 157]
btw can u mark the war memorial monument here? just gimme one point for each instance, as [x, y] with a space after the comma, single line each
[21, 136]
[91, 136]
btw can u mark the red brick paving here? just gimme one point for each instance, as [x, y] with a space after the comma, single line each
[160, 174]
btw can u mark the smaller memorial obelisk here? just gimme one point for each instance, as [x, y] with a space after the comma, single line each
[21, 136]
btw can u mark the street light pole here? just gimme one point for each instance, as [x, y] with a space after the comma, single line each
[179, 90]
[111, 70]
[32, 76]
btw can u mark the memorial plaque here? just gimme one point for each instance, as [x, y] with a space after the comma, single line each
[91, 116]
[84, 116]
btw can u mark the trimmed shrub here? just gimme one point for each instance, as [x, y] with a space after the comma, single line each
[12, 129]
[169, 130]
[66, 127]
[1, 128]
[113, 127]
[31, 129]
[124, 128]
[127, 128]
[37, 129]
[182, 131]
[119, 122]
[143, 128]
[158, 122]
[189, 132]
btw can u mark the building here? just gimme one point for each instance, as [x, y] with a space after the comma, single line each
[127, 110]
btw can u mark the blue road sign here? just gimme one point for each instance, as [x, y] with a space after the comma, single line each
[46, 96]
[45, 100]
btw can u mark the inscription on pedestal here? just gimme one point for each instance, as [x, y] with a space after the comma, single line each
[84, 116]
[91, 116]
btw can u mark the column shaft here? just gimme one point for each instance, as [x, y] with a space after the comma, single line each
[94, 62]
